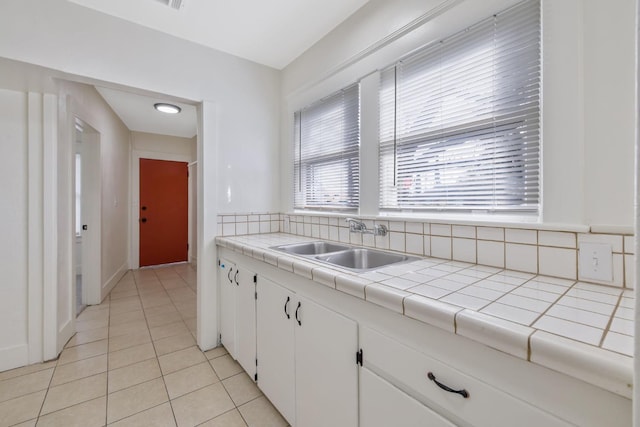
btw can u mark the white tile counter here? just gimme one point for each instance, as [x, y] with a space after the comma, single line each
[580, 329]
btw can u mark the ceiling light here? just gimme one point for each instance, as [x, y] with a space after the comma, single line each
[167, 108]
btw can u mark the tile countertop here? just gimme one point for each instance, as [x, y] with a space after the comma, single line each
[580, 329]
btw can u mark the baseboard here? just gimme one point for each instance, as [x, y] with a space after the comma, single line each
[65, 333]
[115, 278]
[193, 261]
[14, 357]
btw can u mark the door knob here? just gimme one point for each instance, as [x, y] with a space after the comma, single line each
[144, 208]
[143, 219]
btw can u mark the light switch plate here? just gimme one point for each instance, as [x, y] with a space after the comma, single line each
[595, 262]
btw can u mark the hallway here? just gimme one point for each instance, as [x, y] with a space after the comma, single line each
[134, 362]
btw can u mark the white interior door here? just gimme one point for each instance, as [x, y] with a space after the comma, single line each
[90, 224]
[79, 301]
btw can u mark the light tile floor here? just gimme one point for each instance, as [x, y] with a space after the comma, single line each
[134, 362]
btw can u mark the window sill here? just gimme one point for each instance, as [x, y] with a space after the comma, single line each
[531, 222]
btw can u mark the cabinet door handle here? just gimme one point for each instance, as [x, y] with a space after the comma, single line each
[229, 275]
[235, 277]
[297, 318]
[462, 392]
[286, 307]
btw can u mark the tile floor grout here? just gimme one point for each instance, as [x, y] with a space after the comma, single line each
[188, 377]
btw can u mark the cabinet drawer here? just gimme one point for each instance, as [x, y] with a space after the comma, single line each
[383, 405]
[485, 406]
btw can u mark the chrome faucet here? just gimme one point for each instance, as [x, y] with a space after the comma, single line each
[356, 226]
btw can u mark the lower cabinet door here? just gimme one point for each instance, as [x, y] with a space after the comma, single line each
[227, 270]
[246, 320]
[384, 405]
[275, 346]
[326, 371]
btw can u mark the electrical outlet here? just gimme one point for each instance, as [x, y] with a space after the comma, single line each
[595, 262]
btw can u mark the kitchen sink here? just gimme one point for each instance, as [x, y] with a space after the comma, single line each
[360, 259]
[311, 248]
[352, 258]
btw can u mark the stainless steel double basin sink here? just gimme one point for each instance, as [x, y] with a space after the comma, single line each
[344, 256]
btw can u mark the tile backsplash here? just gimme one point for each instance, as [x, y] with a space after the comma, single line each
[238, 224]
[549, 253]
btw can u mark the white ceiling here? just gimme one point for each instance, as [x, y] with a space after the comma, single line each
[138, 114]
[270, 32]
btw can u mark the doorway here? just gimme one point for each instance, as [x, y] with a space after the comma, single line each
[164, 212]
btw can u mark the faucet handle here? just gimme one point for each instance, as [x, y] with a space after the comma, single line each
[381, 230]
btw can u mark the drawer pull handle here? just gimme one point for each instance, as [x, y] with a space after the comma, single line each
[235, 277]
[297, 318]
[464, 393]
[286, 308]
[229, 275]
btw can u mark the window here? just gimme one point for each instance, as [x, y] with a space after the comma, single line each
[460, 120]
[326, 152]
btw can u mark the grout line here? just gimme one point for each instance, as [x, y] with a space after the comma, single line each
[578, 323]
[612, 316]
[220, 415]
[106, 406]
[71, 406]
[28, 373]
[133, 385]
[560, 296]
[78, 403]
[144, 410]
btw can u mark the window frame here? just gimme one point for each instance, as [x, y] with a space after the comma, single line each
[463, 132]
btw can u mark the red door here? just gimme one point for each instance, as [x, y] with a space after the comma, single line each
[163, 212]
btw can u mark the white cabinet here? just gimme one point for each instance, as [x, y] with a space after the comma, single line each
[306, 359]
[238, 313]
[383, 405]
[308, 370]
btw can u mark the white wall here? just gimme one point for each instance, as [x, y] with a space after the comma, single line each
[13, 228]
[28, 216]
[166, 144]
[609, 113]
[588, 99]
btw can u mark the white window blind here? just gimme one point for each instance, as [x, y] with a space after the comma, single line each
[326, 152]
[460, 119]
